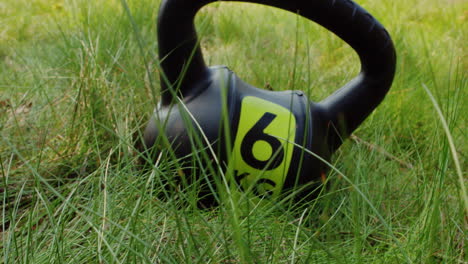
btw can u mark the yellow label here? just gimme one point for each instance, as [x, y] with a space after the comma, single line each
[262, 150]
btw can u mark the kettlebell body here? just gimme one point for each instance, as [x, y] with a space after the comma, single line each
[270, 140]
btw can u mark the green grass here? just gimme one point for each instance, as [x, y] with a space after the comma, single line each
[78, 78]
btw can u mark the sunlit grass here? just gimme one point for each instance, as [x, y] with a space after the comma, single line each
[79, 78]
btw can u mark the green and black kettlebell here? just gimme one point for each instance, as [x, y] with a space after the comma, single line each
[268, 132]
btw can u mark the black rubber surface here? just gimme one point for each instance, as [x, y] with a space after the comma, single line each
[208, 92]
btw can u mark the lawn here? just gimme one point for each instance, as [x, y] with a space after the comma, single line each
[78, 79]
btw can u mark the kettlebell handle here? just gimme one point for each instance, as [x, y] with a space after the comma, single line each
[183, 65]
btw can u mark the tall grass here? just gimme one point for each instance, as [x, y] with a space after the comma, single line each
[78, 79]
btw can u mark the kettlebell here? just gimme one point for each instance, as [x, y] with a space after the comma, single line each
[265, 138]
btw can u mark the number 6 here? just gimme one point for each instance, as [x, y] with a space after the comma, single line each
[256, 134]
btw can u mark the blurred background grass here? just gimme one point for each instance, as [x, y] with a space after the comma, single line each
[77, 79]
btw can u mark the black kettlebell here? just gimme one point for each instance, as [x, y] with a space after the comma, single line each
[262, 135]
